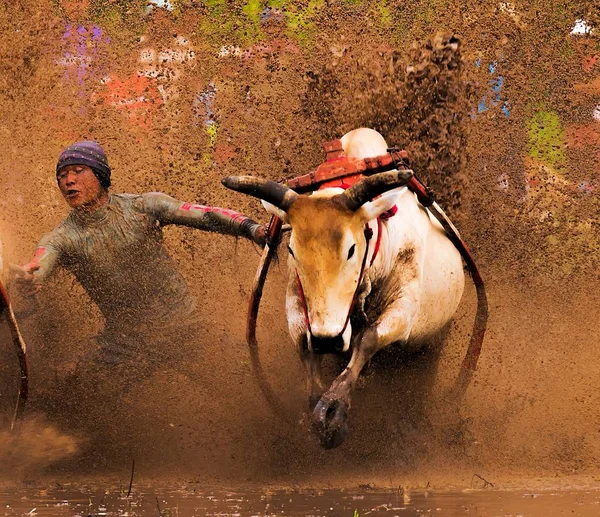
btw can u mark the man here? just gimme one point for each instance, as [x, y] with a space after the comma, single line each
[112, 244]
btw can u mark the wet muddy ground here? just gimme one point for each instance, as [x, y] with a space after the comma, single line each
[195, 500]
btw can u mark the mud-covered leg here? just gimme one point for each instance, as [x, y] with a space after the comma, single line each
[331, 412]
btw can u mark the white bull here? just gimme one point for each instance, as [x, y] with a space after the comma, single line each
[405, 292]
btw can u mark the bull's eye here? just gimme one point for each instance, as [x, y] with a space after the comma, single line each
[290, 250]
[351, 251]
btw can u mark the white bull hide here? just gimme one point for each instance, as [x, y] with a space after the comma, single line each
[407, 295]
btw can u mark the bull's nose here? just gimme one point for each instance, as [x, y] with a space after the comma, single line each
[327, 345]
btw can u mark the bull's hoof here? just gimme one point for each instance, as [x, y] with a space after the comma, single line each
[330, 423]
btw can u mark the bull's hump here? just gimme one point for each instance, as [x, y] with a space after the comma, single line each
[364, 143]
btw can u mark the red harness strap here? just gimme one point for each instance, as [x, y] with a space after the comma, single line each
[378, 241]
[303, 302]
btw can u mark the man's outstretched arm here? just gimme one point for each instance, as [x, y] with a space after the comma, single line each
[168, 210]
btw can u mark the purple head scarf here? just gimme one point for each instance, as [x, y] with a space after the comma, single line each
[88, 153]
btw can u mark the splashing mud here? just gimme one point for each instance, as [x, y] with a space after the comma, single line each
[495, 102]
[32, 446]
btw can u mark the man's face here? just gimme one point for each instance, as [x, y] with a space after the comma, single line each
[79, 186]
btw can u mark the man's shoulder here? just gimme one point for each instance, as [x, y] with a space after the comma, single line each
[126, 202]
[150, 203]
[158, 202]
[126, 198]
[137, 198]
[55, 237]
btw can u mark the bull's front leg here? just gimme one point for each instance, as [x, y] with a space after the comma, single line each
[330, 416]
[315, 387]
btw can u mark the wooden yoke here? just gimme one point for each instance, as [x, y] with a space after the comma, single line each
[341, 170]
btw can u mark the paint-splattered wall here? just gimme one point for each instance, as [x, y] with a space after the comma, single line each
[182, 92]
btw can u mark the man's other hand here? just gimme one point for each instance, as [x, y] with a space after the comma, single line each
[25, 281]
[259, 235]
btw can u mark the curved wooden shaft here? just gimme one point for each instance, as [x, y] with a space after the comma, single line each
[273, 239]
[469, 363]
[19, 345]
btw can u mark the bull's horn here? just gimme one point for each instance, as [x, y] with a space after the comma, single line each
[372, 186]
[275, 193]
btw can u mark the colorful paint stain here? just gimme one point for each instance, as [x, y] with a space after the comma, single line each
[493, 98]
[299, 21]
[166, 65]
[253, 10]
[582, 28]
[546, 139]
[137, 96]
[585, 136]
[159, 4]
[82, 47]
[204, 113]
[259, 50]
[248, 26]
[153, 85]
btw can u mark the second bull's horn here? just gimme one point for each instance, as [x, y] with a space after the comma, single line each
[272, 192]
[372, 186]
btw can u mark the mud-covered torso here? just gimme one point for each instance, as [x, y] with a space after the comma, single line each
[117, 255]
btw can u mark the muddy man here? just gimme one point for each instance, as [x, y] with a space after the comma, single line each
[112, 244]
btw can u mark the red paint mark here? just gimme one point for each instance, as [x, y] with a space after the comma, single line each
[224, 153]
[589, 62]
[582, 135]
[138, 96]
[35, 261]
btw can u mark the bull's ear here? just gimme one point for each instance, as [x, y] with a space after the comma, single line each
[373, 209]
[273, 210]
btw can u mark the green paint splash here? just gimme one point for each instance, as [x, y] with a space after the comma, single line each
[546, 139]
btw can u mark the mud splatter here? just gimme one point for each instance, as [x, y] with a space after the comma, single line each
[33, 446]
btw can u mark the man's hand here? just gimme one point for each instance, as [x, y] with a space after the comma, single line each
[259, 235]
[254, 231]
[26, 283]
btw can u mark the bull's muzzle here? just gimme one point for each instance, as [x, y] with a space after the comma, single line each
[323, 344]
[327, 345]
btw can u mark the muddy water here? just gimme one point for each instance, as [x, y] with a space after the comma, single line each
[189, 92]
[196, 500]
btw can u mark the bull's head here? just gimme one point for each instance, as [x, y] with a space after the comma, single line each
[328, 245]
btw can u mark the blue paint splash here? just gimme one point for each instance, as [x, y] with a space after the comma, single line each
[494, 97]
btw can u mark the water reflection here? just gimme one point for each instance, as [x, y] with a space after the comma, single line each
[194, 500]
